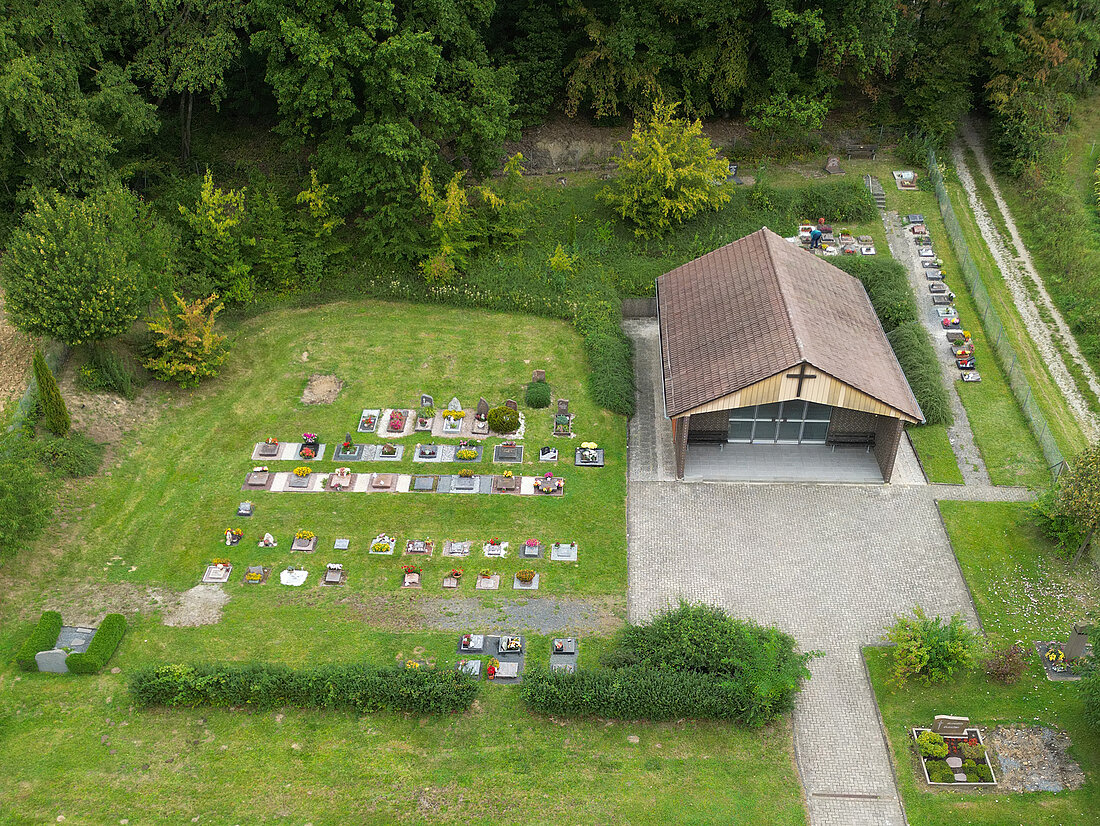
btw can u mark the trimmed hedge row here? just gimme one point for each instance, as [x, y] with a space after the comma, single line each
[638, 693]
[101, 648]
[888, 288]
[538, 394]
[610, 354]
[359, 688]
[42, 638]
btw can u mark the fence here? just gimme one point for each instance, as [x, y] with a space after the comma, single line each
[994, 330]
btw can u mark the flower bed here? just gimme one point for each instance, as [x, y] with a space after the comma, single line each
[947, 758]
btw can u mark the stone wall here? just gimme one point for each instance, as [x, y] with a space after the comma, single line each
[851, 421]
[887, 439]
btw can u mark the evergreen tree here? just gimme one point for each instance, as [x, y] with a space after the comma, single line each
[54, 413]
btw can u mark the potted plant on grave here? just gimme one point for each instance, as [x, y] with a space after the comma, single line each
[525, 576]
[456, 573]
[253, 576]
[307, 535]
[532, 543]
[427, 414]
[411, 569]
[465, 473]
[368, 422]
[507, 474]
[1057, 658]
[491, 671]
[380, 547]
[271, 440]
[389, 449]
[495, 540]
[220, 562]
[302, 471]
[485, 573]
[233, 536]
[347, 445]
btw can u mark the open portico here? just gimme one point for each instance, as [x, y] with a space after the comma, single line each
[776, 368]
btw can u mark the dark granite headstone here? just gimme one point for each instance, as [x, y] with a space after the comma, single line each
[424, 483]
[563, 407]
[426, 400]
[244, 509]
[511, 405]
[1075, 645]
[268, 449]
[482, 408]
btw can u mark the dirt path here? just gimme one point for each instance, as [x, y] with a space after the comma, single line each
[1017, 269]
[958, 433]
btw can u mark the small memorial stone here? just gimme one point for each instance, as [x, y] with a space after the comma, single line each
[341, 545]
[563, 552]
[411, 581]
[488, 583]
[456, 549]
[424, 483]
[950, 726]
[538, 375]
[482, 408]
[454, 404]
[450, 582]
[548, 454]
[426, 400]
[244, 509]
[300, 482]
[563, 407]
[954, 762]
[383, 480]
[269, 449]
[463, 483]
[511, 404]
[565, 646]
[832, 166]
[508, 453]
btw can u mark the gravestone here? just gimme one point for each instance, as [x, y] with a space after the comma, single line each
[538, 375]
[426, 400]
[832, 166]
[456, 549]
[244, 509]
[300, 482]
[531, 551]
[268, 449]
[454, 405]
[424, 483]
[382, 480]
[482, 408]
[915, 219]
[563, 407]
[463, 482]
[563, 552]
[52, 661]
[511, 405]
[564, 646]
[954, 762]
[258, 478]
[950, 726]
[427, 451]
[412, 580]
[471, 668]
[508, 453]
[476, 643]
[340, 545]
[1075, 645]
[334, 574]
[450, 582]
[507, 671]
[548, 454]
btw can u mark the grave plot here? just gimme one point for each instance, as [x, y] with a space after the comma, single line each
[271, 450]
[563, 655]
[425, 417]
[259, 478]
[508, 453]
[368, 420]
[549, 485]
[563, 419]
[480, 425]
[495, 549]
[424, 484]
[1066, 663]
[412, 576]
[382, 544]
[952, 753]
[525, 579]
[588, 455]
[451, 579]
[71, 639]
[428, 453]
[531, 549]
[349, 451]
[471, 668]
[467, 452]
[419, 547]
[383, 482]
[506, 665]
[304, 542]
[548, 454]
[389, 453]
[487, 580]
[460, 483]
[563, 552]
[335, 575]
[300, 479]
[395, 423]
[217, 572]
[456, 549]
[341, 479]
[256, 575]
[453, 420]
[507, 483]
[294, 577]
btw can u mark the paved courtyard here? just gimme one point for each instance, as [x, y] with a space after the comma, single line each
[831, 564]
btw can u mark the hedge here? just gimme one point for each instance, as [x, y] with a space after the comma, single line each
[43, 638]
[360, 688]
[639, 693]
[538, 394]
[101, 648]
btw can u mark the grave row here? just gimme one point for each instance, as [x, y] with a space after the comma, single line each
[220, 572]
[343, 479]
[384, 545]
[506, 656]
[509, 453]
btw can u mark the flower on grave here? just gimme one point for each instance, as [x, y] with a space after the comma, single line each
[389, 450]
[454, 414]
[467, 639]
[486, 573]
[507, 474]
[560, 483]
[271, 440]
[236, 532]
[220, 562]
[302, 471]
[307, 453]
[465, 453]
[456, 573]
[253, 576]
[532, 543]
[588, 445]
[548, 475]
[346, 444]
[380, 547]
[305, 535]
[411, 665]
[309, 437]
[1055, 655]
[411, 569]
[526, 575]
[397, 420]
[260, 469]
[491, 670]
[495, 540]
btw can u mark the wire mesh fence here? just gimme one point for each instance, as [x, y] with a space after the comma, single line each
[994, 330]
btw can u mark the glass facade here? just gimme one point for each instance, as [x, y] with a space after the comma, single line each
[792, 422]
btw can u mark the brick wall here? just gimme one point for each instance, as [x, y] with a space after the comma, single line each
[851, 421]
[707, 427]
[887, 439]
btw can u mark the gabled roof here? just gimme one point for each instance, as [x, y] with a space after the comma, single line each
[761, 305]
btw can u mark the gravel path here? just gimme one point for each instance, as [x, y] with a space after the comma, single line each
[958, 433]
[1017, 269]
[545, 615]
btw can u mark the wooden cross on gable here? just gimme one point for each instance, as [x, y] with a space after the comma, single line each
[802, 376]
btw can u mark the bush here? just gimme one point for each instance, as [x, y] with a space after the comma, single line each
[929, 651]
[1007, 665]
[1090, 694]
[538, 394]
[101, 648]
[42, 638]
[503, 419]
[611, 370]
[846, 201]
[931, 745]
[922, 370]
[940, 772]
[984, 774]
[1047, 514]
[187, 347]
[25, 501]
[358, 688]
[55, 416]
[105, 370]
[971, 752]
[74, 456]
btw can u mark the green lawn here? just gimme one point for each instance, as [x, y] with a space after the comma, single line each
[935, 453]
[1023, 592]
[155, 517]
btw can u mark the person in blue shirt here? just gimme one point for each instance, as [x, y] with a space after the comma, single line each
[815, 239]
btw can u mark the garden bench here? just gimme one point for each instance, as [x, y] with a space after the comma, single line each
[861, 150]
[865, 438]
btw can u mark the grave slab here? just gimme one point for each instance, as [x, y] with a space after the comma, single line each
[404, 482]
[217, 574]
[495, 551]
[423, 484]
[531, 551]
[517, 585]
[368, 420]
[341, 545]
[52, 661]
[588, 457]
[456, 549]
[491, 583]
[75, 637]
[383, 456]
[471, 668]
[293, 578]
[476, 644]
[508, 454]
[562, 552]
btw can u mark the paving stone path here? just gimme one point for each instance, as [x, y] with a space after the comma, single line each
[831, 564]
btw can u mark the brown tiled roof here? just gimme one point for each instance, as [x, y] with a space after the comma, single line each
[761, 305]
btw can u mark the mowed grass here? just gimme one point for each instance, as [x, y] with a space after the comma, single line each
[1022, 592]
[936, 455]
[164, 509]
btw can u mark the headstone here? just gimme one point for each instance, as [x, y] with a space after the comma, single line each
[470, 667]
[298, 481]
[508, 453]
[424, 483]
[510, 645]
[411, 581]
[426, 400]
[507, 671]
[340, 545]
[475, 643]
[563, 407]
[538, 375]
[548, 454]
[1075, 646]
[506, 483]
[832, 166]
[268, 449]
[244, 509]
[454, 405]
[258, 478]
[915, 219]
[950, 726]
[52, 661]
[511, 404]
[482, 408]
[333, 575]
[450, 582]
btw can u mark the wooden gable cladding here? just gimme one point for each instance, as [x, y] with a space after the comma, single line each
[783, 386]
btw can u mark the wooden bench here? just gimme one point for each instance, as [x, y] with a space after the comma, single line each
[861, 150]
[867, 439]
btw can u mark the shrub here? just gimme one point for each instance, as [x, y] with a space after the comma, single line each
[1007, 665]
[611, 370]
[42, 638]
[1061, 529]
[922, 370]
[106, 370]
[101, 648]
[928, 650]
[74, 456]
[969, 764]
[538, 394]
[55, 416]
[187, 347]
[984, 774]
[760, 665]
[931, 745]
[940, 772]
[503, 419]
[1090, 694]
[360, 688]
